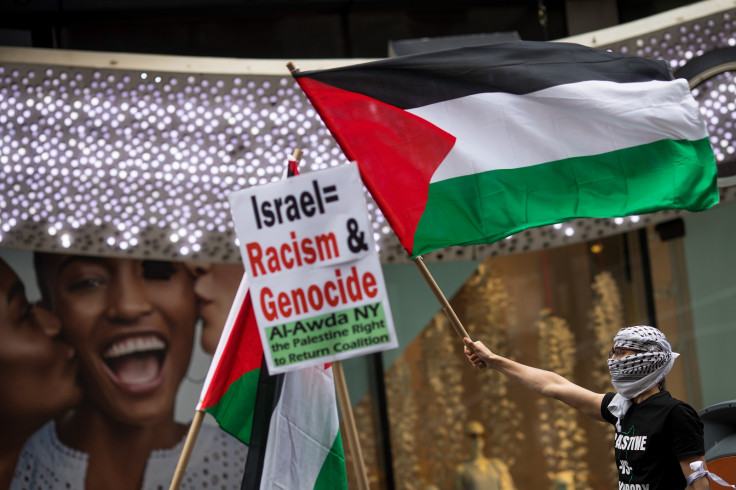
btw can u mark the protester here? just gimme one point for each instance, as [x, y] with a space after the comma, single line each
[132, 324]
[657, 436]
[37, 370]
[215, 286]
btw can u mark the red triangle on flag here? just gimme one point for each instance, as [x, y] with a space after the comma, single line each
[397, 152]
[243, 353]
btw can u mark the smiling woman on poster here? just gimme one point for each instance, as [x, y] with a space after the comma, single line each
[132, 324]
[37, 370]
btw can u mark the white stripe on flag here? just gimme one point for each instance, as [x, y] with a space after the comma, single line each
[572, 120]
[225, 335]
[303, 428]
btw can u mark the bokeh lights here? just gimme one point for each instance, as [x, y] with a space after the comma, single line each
[140, 163]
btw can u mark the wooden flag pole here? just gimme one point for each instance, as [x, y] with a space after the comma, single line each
[351, 432]
[454, 320]
[344, 399]
[297, 155]
[186, 451]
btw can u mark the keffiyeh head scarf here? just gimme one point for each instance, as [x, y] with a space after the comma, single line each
[633, 375]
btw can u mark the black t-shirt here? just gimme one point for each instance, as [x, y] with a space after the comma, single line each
[655, 435]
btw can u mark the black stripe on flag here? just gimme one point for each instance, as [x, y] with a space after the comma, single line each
[519, 67]
[267, 397]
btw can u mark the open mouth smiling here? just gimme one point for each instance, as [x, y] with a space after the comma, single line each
[136, 363]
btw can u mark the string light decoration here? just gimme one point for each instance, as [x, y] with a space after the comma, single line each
[687, 43]
[403, 412]
[562, 437]
[489, 312]
[104, 160]
[606, 317]
[116, 162]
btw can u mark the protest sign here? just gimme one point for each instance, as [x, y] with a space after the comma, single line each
[315, 277]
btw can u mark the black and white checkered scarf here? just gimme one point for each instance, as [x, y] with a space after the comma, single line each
[633, 375]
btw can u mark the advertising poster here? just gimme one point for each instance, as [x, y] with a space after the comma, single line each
[115, 343]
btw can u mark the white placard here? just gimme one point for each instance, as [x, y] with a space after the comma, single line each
[315, 277]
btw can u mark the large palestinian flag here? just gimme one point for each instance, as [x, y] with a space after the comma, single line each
[469, 146]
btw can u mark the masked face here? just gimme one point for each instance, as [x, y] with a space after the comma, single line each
[37, 370]
[641, 357]
[621, 352]
[132, 324]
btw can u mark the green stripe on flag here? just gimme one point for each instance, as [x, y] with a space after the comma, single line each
[234, 411]
[486, 207]
[332, 475]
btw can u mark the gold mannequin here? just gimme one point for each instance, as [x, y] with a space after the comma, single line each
[480, 472]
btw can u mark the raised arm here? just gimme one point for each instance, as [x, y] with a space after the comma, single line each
[545, 383]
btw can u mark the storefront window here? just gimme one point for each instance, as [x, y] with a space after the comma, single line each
[557, 309]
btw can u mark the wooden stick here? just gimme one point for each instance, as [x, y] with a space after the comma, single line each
[454, 320]
[351, 432]
[186, 451]
[342, 391]
[296, 155]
